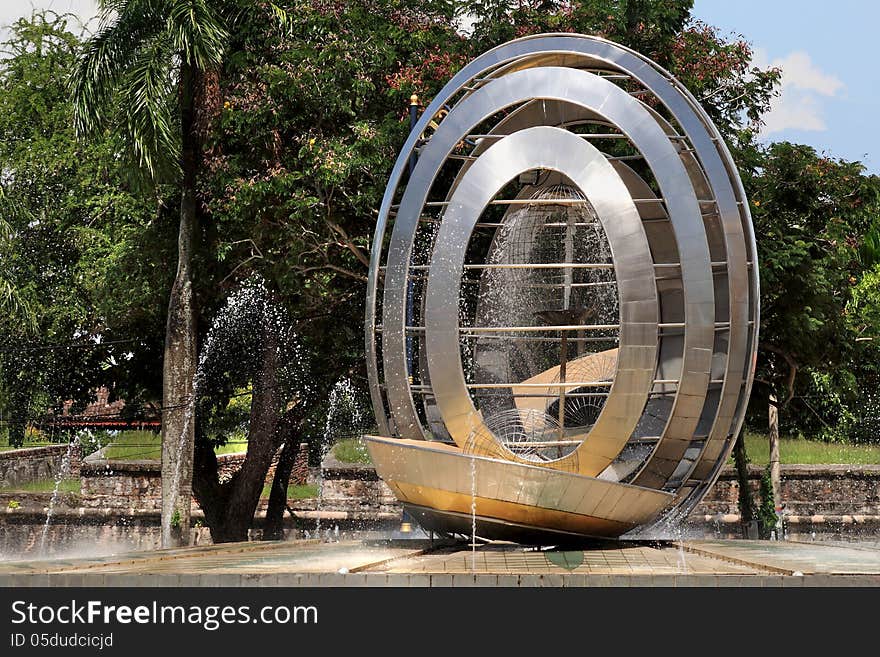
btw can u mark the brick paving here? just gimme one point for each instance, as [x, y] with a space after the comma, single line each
[622, 559]
[419, 563]
[836, 558]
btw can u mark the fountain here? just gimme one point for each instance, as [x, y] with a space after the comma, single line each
[561, 331]
[597, 245]
[232, 349]
[346, 418]
[62, 474]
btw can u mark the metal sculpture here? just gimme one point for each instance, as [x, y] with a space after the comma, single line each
[562, 307]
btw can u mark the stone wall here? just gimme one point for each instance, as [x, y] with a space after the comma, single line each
[22, 466]
[12, 501]
[355, 488]
[122, 484]
[119, 508]
[228, 464]
[138, 484]
[78, 532]
[816, 498]
[807, 490]
[833, 490]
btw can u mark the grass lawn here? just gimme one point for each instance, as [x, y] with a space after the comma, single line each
[139, 445]
[47, 486]
[810, 452]
[5, 446]
[351, 450]
[295, 492]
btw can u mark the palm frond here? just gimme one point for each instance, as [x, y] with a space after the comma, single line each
[126, 27]
[16, 307]
[284, 19]
[147, 95]
[197, 33]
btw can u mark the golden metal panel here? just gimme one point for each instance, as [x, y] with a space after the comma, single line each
[505, 487]
[513, 512]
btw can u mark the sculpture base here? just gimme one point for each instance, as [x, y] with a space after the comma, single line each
[445, 488]
[451, 523]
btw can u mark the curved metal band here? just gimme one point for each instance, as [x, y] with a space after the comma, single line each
[621, 109]
[564, 152]
[665, 459]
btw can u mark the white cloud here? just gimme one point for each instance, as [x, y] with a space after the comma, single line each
[802, 90]
[12, 10]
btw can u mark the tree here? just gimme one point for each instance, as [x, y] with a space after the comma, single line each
[717, 70]
[125, 65]
[63, 205]
[814, 217]
[295, 170]
[251, 347]
[150, 72]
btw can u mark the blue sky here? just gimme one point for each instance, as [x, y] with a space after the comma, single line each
[831, 86]
[831, 82]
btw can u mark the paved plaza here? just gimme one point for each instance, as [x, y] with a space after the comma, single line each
[419, 562]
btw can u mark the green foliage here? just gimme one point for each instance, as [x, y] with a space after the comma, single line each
[351, 450]
[295, 491]
[719, 73]
[311, 118]
[63, 204]
[175, 519]
[227, 424]
[147, 445]
[646, 26]
[863, 307]
[91, 441]
[716, 69]
[65, 487]
[812, 214]
[764, 511]
[826, 398]
[12, 302]
[741, 463]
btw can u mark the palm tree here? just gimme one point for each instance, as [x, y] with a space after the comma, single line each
[140, 75]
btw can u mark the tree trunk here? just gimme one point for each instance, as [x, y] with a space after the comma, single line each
[180, 359]
[773, 421]
[273, 529]
[262, 441]
[775, 483]
[208, 490]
